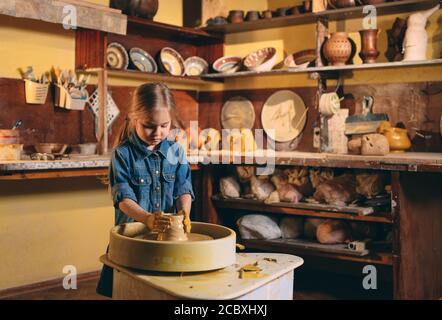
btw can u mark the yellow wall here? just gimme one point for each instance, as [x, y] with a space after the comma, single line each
[48, 224]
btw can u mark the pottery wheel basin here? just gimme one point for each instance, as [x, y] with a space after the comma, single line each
[129, 247]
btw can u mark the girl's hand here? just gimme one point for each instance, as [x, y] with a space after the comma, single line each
[186, 221]
[157, 222]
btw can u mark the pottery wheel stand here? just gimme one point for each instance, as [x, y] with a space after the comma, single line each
[147, 269]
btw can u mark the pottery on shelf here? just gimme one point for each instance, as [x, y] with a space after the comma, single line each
[252, 16]
[227, 64]
[144, 8]
[338, 49]
[261, 60]
[122, 5]
[170, 61]
[337, 4]
[416, 38]
[236, 16]
[195, 66]
[397, 137]
[267, 14]
[369, 50]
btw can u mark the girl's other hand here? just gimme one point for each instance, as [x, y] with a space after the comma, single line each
[186, 221]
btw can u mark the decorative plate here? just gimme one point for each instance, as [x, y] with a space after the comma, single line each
[117, 57]
[171, 62]
[227, 64]
[142, 60]
[195, 66]
[238, 113]
[283, 117]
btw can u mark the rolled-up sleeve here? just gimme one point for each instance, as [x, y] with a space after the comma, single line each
[119, 176]
[183, 182]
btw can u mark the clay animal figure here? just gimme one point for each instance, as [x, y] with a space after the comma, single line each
[416, 37]
[338, 192]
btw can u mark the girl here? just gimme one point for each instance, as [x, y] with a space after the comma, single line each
[148, 173]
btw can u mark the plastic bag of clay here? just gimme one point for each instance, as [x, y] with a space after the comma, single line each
[338, 192]
[256, 226]
[292, 227]
[261, 187]
[318, 176]
[333, 232]
[229, 187]
[310, 226]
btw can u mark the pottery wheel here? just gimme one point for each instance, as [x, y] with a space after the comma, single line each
[209, 247]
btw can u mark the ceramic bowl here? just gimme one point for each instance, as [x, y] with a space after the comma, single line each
[195, 66]
[88, 148]
[218, 20]
[142, 60]
[261, 60]
[227, 64]
[52, 148]
[117, 57]
[300, 59]
[171, 62]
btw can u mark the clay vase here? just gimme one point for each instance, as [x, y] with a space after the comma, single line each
[338, 49]
[236, 16]
[144, 8]
[252, 16]
[176, 230]
[369, 50]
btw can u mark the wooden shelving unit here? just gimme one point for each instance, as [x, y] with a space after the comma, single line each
[301, 209]
[284, 246]
[336, 14]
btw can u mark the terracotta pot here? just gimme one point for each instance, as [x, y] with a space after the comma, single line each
[252, 16]
[267, 14]
[144, 8]
[236, 16]
[338, 49]
[369, 51]
[342, 3]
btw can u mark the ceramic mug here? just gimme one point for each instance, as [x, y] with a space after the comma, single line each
[329, 104]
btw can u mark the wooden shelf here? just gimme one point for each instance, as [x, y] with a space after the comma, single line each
[134, 74]
[54, 174]
[278, 72]
[283, 246]
[174, 33]
[297, 210]
[332, 15]
[408, 161]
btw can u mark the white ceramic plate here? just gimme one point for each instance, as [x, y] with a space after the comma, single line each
[282, 116]
[172, 61]
[238, 113]
[142, 60]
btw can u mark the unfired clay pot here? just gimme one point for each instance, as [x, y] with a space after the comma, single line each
[338, 49]
[369, 49]
[176, 230]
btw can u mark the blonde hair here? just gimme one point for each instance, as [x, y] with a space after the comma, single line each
[146, 98]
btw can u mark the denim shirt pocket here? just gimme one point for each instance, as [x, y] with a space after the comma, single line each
[142, 182]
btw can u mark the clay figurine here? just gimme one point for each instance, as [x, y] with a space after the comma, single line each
[416, 38]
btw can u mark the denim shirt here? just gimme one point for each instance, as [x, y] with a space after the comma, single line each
[153, 179]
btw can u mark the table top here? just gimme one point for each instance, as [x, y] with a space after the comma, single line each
[223, 284]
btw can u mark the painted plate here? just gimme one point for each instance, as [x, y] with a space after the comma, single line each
[282, 116]
[196, 66]
[238, 113]
[172, 62]
[116, 56]
[142, 60]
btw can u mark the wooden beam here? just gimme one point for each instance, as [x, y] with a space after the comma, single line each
[87, 15]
